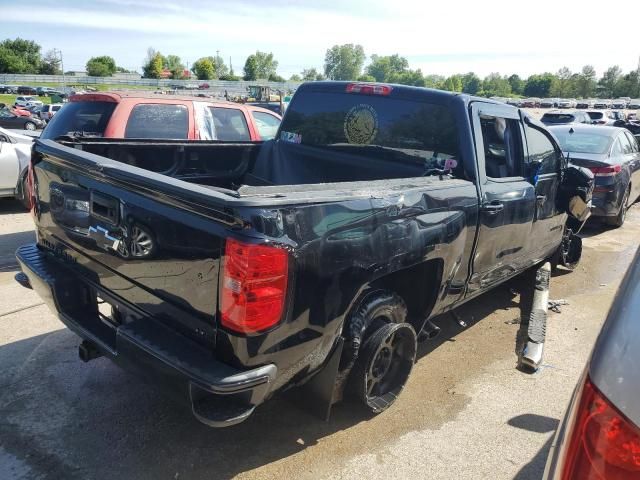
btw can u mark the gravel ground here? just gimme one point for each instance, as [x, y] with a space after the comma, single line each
[466, 413]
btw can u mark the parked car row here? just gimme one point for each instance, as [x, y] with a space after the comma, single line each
[584, 104]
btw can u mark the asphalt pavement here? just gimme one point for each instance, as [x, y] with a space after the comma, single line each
[466, 413]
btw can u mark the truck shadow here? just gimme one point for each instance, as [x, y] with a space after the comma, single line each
[66, 419]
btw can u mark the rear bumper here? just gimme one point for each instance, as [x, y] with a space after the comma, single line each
[219, 395]
[606, 204]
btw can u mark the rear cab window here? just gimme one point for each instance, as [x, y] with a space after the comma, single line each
[410, 136]
[89, 118]
[158, 120]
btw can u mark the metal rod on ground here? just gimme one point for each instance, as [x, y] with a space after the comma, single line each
[534, 349]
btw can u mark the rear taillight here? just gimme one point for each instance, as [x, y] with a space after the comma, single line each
[369, 89]
[602, 443]
[254, 286]
[608, 171]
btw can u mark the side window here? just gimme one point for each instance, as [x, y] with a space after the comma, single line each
[626, 145]
[266, 124]
[502, 147]
[634, 143]
[158, 120]
[542, 150]
[230, 125]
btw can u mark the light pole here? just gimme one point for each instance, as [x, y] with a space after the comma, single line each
[64, 80]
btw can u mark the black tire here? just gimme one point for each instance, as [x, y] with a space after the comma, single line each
[374, 310]
[26, 202]
[384, 365]
[619, 219]
[30, 126]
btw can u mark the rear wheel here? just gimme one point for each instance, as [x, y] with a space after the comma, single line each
[384, 365]
[30, 126]
[26, 201]
[619, 219]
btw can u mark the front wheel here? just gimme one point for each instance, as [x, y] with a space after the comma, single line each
[30, 126]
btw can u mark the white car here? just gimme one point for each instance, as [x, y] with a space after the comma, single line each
[602, 117]
[15, 152]
[27, 101]
[48, 111]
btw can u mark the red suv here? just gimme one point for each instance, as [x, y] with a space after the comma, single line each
[136, 115]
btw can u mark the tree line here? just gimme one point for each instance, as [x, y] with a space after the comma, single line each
[341, 62]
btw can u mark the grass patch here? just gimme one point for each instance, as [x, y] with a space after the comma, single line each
[11, 99]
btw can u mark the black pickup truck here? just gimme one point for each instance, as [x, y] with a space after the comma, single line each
[232, 271]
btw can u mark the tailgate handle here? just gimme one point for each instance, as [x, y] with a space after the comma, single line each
[105, 207]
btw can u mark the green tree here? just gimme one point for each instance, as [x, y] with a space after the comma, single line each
[50, 64]
[539, 85]
[260, 65]
[103, 66]
[344, 62]
[453, 83]
[274, 77]
[311, 74]
[19, 56]
[628, 86]
[517, 84]
[410, 77]
[154, 64]
[471, 83]
[295, 78]
[434, 81]
[174, 64]
[495, 85]
[383, 69]
[562, 84]
[366, 78]
[204, 69]
[585, 84]
[608, 82]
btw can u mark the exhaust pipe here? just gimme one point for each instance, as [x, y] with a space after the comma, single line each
[429, 331]
[87, 351]
[533, 351]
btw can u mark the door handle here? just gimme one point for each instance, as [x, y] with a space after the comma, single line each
[492, 208]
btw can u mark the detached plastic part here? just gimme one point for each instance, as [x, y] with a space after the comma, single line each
[533, 352]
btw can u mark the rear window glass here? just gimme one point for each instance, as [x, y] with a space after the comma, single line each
[230, 125]
[583, 142]
[157, 120]
[86, 117]
[401, 130]
[557, 118]
[595, 115]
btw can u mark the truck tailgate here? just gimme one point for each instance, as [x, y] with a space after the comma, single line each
[132, 238]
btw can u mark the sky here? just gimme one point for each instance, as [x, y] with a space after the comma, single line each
[442, 37]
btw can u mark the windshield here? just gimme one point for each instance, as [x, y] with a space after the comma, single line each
[408, 131]
[584, 142]
[595, 115]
